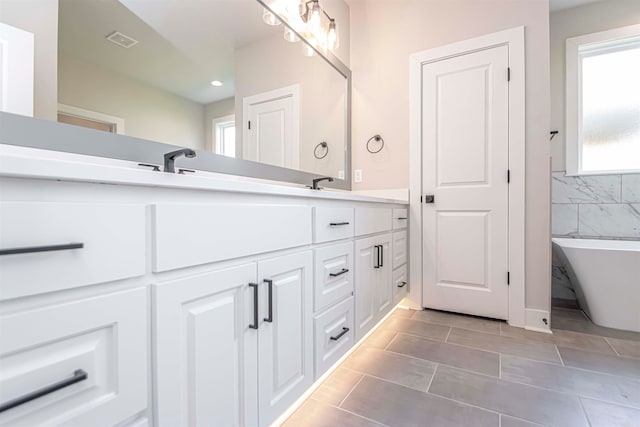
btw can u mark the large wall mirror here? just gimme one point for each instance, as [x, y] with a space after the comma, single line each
[207, 75]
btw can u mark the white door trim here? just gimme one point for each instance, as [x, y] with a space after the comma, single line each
[292, 91]
[95, 116]
[514, 39]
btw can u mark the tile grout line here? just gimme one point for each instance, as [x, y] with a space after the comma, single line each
[351, 391]
[612, 347]
[390, 341]
[584, 411]
[432, 377]
[350, 412]
[559, 355]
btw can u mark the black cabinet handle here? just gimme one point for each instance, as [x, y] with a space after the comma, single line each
[402, 284]
[255, 305]
[33, 249]
[344, 270]
[270, 318]
[402, 217]
[381, 255]
[377, 256]
[340, 335]
[333, 224]
[78, 375]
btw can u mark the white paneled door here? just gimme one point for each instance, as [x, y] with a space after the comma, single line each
[465, 170]
[271, 128]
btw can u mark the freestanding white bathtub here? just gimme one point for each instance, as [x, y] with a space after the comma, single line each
[606, 276]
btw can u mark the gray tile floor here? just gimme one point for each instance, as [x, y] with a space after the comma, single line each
[429, 368]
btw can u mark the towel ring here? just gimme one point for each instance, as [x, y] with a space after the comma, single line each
[324, 145]
[376, 138]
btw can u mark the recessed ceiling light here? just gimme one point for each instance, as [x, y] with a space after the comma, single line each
[216, 83]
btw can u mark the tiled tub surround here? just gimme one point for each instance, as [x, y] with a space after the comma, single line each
[430, 368]
[600, 206]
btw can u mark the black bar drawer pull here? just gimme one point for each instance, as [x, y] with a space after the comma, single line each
[78, 375]
[334, 224]
[270, 318]
[344, 270]
[255, 305]
[50, 248]
[377, 256]
[381, 255]
[402, 217]
[340, 335]
[402, 284]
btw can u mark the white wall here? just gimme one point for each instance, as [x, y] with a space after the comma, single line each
[383, 35]
[39, 17]
[148, 112]
[591, 18]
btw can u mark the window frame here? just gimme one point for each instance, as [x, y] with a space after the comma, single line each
[217, 126]
[573, 99]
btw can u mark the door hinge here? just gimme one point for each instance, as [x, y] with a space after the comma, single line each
[508, 176]
[508, 74]
[508, 278]
[249, 122]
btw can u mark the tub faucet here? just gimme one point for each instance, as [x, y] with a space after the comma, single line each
[170, 158]
[315, 182]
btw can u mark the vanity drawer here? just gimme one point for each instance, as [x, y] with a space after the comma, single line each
[108, 243]
[334, 335]
[372, 220]
[399, 248]
[334, 274]
[400, 219]
[332, 224]
[400, 284]
[98, 345]
[187, 235]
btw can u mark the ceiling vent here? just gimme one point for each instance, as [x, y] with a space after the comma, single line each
[121, 40]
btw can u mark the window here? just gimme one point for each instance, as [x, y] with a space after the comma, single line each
[603, 102]
[224, 135]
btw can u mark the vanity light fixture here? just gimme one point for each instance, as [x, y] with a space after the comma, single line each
[216, 83]
[308, 19]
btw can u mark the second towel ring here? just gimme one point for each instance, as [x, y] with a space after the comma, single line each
[376, 138]
[324, 145]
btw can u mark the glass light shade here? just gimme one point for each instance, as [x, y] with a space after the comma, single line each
[333, 41]
[269, 18]
[315, 18]
[289, 35]
[307, 50]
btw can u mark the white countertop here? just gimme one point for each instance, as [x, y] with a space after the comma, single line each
[22, 162]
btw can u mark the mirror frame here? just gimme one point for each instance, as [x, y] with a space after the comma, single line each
[48, 135]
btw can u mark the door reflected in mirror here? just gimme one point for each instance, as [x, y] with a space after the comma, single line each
[204, 75]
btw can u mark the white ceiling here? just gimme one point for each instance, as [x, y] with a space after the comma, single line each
[183, 44]
[555, 5]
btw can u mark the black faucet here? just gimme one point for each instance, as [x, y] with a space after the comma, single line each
[170, 158]
[317, 180]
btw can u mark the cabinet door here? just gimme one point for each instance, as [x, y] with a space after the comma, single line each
[205, 352]
[285, 335]
[365, 287]
[384, 294]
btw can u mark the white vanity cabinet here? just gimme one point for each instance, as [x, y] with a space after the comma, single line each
[186, 300]
[373, 281]
[234, 346]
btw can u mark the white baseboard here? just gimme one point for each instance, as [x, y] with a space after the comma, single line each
[537, 320]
